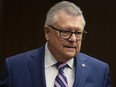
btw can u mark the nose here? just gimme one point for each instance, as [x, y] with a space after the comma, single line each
[73, 38]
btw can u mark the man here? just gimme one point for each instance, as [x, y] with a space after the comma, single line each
[64, 32]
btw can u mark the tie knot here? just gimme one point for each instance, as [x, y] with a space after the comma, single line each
[60, 65]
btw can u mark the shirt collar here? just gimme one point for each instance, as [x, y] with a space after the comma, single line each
[50, 60]
[71, 63]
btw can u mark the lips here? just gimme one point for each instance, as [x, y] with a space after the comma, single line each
[70, 47]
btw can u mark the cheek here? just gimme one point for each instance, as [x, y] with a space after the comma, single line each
[58, 43]
[55, 41]
[55, 45]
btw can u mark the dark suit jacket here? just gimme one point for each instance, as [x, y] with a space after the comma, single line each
[28, 70]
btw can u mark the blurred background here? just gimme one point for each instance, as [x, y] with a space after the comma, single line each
[21, 28]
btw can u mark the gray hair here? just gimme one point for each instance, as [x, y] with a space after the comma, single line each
[65, 6]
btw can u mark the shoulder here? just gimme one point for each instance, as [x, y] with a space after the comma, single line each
[94, 65]
[21, 57]
[92, 61]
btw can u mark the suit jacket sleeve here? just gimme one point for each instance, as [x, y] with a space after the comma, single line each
[5, 78]
[107, 78]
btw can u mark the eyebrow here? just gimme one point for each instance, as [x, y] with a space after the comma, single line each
[75, 30]
[70, 29]
[66, 29]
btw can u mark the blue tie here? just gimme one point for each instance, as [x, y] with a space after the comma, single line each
[60, 80]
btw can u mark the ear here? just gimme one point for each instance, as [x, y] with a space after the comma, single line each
[47, 32]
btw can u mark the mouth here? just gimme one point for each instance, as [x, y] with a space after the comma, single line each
[70, 47]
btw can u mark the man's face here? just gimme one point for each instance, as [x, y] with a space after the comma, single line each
[62, 49]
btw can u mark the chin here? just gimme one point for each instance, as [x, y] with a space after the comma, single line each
[70, 56]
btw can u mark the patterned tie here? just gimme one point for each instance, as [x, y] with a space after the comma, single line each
[61, 80]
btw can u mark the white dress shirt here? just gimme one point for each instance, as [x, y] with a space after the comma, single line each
[51, 71]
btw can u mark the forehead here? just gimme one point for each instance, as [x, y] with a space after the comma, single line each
[64, 20]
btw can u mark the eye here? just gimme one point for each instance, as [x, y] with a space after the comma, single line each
[64, 32]
[78, 33]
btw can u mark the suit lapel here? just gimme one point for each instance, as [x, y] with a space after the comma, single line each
[36, 67]
[81, 70]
